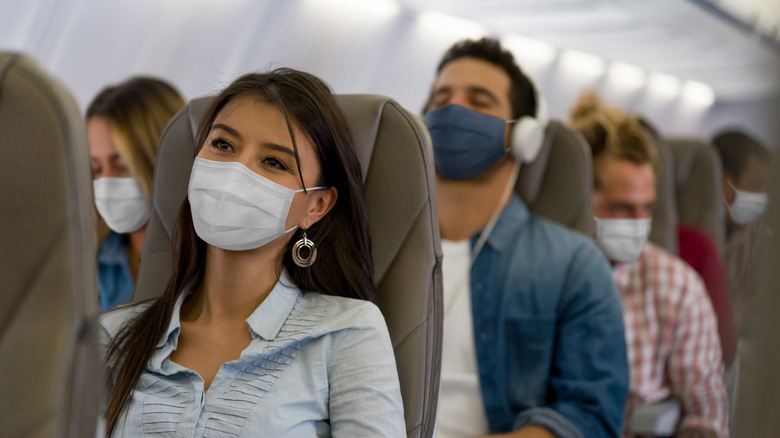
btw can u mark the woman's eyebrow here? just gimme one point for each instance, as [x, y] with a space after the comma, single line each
[279, 148]
[226, 128]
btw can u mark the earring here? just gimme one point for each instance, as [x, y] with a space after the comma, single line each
[305, 246]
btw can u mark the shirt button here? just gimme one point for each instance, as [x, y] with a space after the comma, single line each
[483, 335]
[479, 285]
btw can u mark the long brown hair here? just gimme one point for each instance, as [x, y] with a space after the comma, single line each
[342, 234]
[137, 111]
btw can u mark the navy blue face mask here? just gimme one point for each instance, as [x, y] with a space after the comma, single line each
[465, 142]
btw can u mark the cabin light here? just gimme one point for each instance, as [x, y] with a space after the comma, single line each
[627, 76]
[663, 84]
[583, 64]
[360, 10]
[528, 49]
[450, 25]
[698, 93]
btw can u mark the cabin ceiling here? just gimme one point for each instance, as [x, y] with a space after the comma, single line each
[685, 38]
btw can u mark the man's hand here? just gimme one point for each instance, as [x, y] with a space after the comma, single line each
[528, 432]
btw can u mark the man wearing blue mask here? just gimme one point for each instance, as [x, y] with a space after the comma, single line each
[533, 336]
[671, 329]
[745, 163]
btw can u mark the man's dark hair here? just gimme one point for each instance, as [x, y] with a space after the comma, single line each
[734, 148]
[522, 94]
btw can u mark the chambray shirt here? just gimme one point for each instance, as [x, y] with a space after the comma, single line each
[115, 281]
[548, 330]
[317, 366]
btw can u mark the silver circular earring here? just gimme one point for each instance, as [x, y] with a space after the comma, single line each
[301, 247]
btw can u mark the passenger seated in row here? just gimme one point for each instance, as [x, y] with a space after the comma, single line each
[255, 335]
[671, 330]
[698, 249]
[124, 124]
[745, 163]
[533, 335]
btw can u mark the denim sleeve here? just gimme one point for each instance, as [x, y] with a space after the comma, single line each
[589, 376]
[365, 395]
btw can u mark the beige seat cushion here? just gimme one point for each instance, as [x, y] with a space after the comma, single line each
[698, 181]
[49, 361]
[559, 183]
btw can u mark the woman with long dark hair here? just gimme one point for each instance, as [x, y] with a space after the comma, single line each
[267, 326]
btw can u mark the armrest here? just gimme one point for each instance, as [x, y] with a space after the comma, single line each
[657, 419]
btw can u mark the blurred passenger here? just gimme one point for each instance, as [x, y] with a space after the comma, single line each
[533, 336]
[124, 123]
[698, 250]
[255, 335]
[671, 328]
[745, 163]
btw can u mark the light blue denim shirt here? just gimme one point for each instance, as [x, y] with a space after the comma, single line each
[115, 281]
[317, 366]
[548, 330]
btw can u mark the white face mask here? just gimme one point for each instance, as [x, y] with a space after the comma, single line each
[121, 203]
[622, 240]
[236, 209]
[747, 206]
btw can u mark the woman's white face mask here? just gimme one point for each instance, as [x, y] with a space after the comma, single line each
[747, 206]
[622, 240]
[236, 209]
[121, 203]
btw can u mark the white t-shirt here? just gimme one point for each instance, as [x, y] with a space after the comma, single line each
[461, 411]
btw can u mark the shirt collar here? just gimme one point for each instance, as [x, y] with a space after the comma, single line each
[174, 325]
[512, 219]
[266, 321]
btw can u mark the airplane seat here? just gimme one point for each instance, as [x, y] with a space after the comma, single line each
[394, 149]
[698, 173]
[663, 231]
[759, 379]
[49, 353]
[558, 184]
[699, 205]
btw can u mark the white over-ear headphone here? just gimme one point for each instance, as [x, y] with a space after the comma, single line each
[528, 132]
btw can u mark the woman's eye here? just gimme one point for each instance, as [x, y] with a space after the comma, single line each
[274, 163]
[221, 144]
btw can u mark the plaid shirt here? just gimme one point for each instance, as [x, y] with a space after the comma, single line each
[672, 338]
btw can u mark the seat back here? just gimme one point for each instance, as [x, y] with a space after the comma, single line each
[396, 156]
[49, 356]
[698, 182]
[664, 228]
[558, 184]
[759, 381]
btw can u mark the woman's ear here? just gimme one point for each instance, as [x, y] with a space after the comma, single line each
[320, 203]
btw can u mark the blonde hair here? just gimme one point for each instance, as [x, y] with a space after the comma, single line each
[137, 112]
[611, 132]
